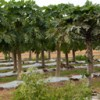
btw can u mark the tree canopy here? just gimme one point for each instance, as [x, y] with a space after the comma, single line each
[25, 26]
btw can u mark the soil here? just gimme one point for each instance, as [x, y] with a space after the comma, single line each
[53, 54]
[6, 94]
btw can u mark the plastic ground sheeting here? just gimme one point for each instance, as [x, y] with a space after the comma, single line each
[10, 85]
[56, 79]
[7, 74]
[77, 77]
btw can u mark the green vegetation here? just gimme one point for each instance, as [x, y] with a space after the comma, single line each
[8, 79]
[48, 29]
[33, 89]
[96, 83]
[80, 57]
[24, 26]
[73, 72]
[4, 71]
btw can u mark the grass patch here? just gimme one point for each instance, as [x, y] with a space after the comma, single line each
[8, 79]
[74, 71]
[4, 71]
[96, 84]
[96, 69]
[33, 89]
[78, 64]
[68, 72]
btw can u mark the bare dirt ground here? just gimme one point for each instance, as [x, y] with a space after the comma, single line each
[7, 94]
[25, 55]
[54, 54]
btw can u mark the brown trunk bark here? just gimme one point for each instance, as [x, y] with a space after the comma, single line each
[49, 55]
[73, 55]
[30, 55]
[42, 58]
[9, 56]
[89, 55]
[58, 60]
[19, 64]
[5, 56]
[66, 58]
[37, 57]
[15, 61]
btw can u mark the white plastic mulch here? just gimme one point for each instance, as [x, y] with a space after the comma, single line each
[7, 74]
[26, 62]
[6, 68]
[15, 84]
[32, 62]
[96, 97]
[24, 66]
[97, 74]
[80, 66]
[77, 77]
[97, 65]
[10, 85]
[7, 63]
[51, 60]
[81, 62]
[56, 79]
[28, 66]
[47, 64]
[11, 63]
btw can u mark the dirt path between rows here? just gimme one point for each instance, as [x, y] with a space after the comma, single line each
[6, 94]
[53, 54]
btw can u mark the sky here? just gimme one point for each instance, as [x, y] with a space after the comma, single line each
[75, 2]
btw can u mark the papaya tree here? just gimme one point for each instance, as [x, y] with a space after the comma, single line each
[76, 44]
[42, 27]
[86, 25]
[18, 14]
[57, 30]
[65, 48]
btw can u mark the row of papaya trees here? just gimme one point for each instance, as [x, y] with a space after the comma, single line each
[24, 26]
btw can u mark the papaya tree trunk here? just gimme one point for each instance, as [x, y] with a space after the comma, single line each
[89, 55]
[15, 61]
[30, 55]
[73, 55]
[37, 57]
[58, 60]
[5, 56]
[66, 58]
[42, 58]
[49, 55]
[19, 64]
[9, 56]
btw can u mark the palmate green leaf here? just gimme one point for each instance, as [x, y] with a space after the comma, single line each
[58, 27]
[86, 19]
[2, 3]
[6, 38]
